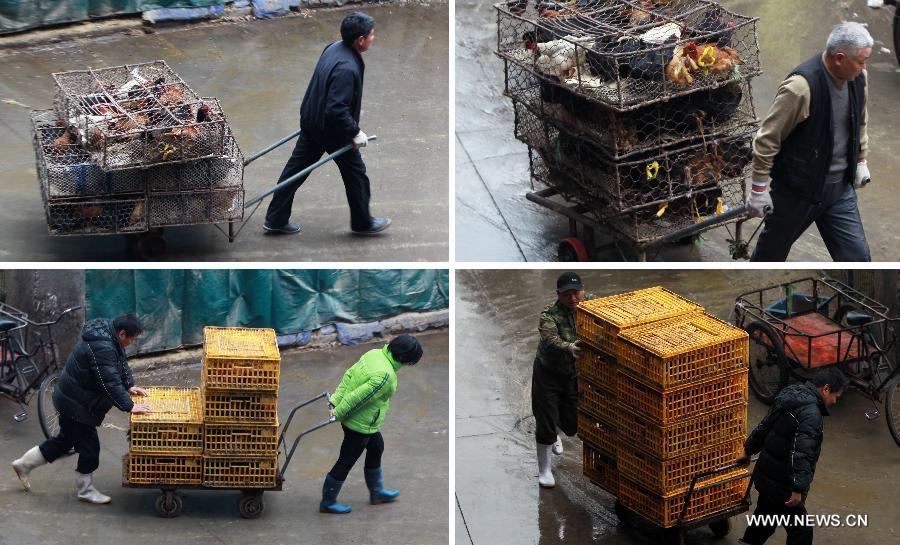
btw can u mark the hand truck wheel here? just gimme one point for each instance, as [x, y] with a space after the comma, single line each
[673, 536]
[151, 247]
[720, 528]
[571, 249]
[168, 504]
[251, 505]
[626, 516]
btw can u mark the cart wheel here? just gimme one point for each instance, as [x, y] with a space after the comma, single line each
[151, 247]
[168, 504]
[720, 528]
[47, 413]
[251, 505]
[768, 364]
[892, 408]
[673, 536]
[626, 517]
[571, 249]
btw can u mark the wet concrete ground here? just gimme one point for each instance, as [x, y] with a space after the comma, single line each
[498, 498]
[259, 71]
[494, 221]
[415, 460]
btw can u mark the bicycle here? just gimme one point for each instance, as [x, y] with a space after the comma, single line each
[29, 364]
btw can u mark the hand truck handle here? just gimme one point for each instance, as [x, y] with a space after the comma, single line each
[697, 477]
[287, 424]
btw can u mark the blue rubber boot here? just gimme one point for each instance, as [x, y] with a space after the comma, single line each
[330, 491]
[377, 492]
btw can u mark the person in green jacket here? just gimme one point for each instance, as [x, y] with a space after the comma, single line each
[360, 403]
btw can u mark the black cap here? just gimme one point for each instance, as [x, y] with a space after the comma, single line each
[406, 349]
[568, 281]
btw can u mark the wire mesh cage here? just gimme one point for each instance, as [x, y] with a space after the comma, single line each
[97, 216]
[648, 224]
[652, 179]
[625, 54]
[702, 115]
[195, 207]
[133, 115]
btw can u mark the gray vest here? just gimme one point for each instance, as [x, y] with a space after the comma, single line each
[840, 130]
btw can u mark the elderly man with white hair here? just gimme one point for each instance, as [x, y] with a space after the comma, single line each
[811, 148]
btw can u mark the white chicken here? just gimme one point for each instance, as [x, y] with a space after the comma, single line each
[561, 57]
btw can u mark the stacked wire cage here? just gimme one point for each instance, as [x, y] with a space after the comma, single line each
[641, 112]
[131, 148]
[662, 400]
[166, 444]
[240, 376]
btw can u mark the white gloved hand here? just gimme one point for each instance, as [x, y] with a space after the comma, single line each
[575, 349]
[759, 202]
[863, 177]
[360, 140]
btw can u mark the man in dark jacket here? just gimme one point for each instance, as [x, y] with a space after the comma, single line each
[329, 119]
[812, 147]
[96, 378]
[790, 440]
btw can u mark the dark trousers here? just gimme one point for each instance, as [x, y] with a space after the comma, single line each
[74, 434]
[352, 448]
[554, 403]
[796, 535]
[837, 218]
[308, 150]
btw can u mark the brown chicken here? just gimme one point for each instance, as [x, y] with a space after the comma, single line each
[691, 58]
[171, 96]
[637, 16]
[705, 168]
[62, 144]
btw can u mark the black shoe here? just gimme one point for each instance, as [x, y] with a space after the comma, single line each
[378, 225]
[286, 229]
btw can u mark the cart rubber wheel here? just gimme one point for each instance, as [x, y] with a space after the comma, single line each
[626, 517]
[720, 528]
[766, 351]
[251, 505]
[892, 408]
[571, 249]
[168, 504]
[151, 247]
[673, 536]
[47, 413]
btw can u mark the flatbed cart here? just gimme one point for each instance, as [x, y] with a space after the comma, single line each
[719, 522]
[251, 505]
[583, 246]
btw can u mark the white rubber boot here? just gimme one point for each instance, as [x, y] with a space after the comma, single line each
[86, 490]
[23, 466]
[558, 446]
[545, 475]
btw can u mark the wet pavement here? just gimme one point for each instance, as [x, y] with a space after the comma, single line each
[415, 434]
[259, 71]
[494, 221]
[498, 498]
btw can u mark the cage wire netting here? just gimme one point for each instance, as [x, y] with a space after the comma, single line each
[640, 111]
[131, 148]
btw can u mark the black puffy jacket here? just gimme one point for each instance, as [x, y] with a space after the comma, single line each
[789, 440]
[96, 376]
[333, 99]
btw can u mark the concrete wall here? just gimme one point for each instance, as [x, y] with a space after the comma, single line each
[43, 294]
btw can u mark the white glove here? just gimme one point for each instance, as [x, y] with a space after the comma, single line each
[862, 176]
[360, 140]
[574, 349]
[760, 202]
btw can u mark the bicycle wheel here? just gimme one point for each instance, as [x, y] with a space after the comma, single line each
[892, 408]
[768, 366]
[47, 413]
[897, 32]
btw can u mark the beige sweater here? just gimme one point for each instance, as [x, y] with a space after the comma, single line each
[789, 109]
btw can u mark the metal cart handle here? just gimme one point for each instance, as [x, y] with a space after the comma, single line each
[736, 212]
[287, 424]
[697, 477]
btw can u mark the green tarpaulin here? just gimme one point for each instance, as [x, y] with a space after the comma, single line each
[174, 305]
[16, 15]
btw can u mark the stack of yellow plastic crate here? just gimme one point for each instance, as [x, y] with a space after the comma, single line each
[166, 444]
[240, 375]
[662, 398]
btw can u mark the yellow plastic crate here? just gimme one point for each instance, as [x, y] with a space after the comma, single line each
[597, 401]
[240, 358]
[599, 434]
[664, 476]
[681, 350]
[240, 440]
[238, 407]
[240, 472]
[598, 322]
[600, 470]
[162, 469]
[684, 402]
[683, 436]
[174, 425]
[711, 495]
[597, 367]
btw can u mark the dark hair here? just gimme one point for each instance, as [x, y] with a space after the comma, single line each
[831, 376]
[355, 25]
[406, 349]
[129, 324]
